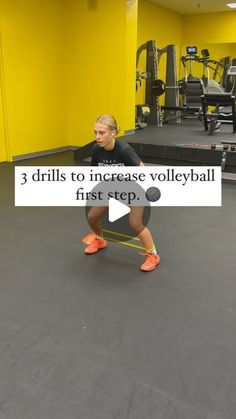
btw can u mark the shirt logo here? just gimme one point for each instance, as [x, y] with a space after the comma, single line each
[110, 163]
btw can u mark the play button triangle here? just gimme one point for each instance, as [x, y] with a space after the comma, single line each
[116, 210]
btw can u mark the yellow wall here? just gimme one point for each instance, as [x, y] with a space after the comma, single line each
[214, 31]
[130, 69]
[95, 65]
[162, 26]
[32, 33]
[209, 28]
[158, 24]
[65, 62]
[4, 144]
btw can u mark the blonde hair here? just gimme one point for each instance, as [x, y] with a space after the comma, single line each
[110, 121]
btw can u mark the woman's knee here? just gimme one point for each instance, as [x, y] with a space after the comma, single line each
[93, 218]
[95, 214]
[136, 225]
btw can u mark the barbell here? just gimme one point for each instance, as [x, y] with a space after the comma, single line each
[159, 87]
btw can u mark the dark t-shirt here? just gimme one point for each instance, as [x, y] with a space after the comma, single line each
[121, 155]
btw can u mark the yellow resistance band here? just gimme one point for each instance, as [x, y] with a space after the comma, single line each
[120, 234]
[125, 243]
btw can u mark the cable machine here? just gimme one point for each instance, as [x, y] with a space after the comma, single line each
[150, 113]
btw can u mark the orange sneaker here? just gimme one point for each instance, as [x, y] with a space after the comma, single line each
[89, 238]
[151, 262]
[95, 246]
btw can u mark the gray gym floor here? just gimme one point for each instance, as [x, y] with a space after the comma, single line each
[92, 337]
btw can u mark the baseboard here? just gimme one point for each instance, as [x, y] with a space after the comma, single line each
[44, 153]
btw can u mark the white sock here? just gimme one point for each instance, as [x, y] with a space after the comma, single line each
[152, 250]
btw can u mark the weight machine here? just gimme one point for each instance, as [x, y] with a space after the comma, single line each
[197, 86]
[224, 103]
[152, 113]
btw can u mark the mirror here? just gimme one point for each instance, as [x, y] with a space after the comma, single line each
[214, 52]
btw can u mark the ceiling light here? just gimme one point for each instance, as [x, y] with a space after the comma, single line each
[231, 5]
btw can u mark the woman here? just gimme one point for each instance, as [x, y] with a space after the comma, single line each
[112, 152]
